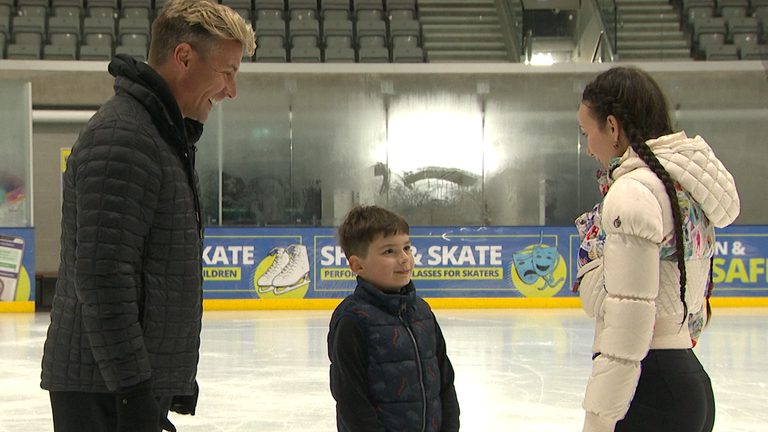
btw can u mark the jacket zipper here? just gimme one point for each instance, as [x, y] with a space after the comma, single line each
[418, 364]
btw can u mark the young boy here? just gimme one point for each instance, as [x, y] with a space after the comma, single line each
[389, 369]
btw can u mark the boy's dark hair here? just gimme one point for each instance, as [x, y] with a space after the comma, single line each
[363, 224]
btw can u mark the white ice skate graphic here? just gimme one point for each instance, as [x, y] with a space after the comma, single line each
[289, 270]
[281, 260]
[295, 274]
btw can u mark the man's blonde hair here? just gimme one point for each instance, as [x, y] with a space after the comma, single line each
[200, 23]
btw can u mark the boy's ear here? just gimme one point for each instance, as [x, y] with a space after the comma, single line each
[355, 265]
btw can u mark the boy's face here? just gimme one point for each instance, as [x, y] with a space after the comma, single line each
[389, 263]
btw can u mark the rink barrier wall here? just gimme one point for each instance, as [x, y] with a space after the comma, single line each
[455, 267]
[436, 303]
[451, 303]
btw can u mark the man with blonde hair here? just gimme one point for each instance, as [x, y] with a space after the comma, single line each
[123, 344]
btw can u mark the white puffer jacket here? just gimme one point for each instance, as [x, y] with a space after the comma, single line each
[632, 292]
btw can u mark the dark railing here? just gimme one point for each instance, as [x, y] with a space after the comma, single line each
[511, 21]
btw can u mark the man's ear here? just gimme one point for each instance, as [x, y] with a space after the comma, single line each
[182, 55]
[356, 265]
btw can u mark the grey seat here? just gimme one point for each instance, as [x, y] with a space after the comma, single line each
[744, 39]
[306, 41]
[404, 28]
[63, 46]
[137, 52]
[735, 6]
[334, 5]
[143, 4]
[302, 4]
[33, 10]
[27, 46]
[28, 24]
[407, 55]
[270, 27]
[74, 3]
[135, 39]
[132, 26]
[369, 15]
[103, 3]
[338, 49]
[722, 52]
[705, 26]
[67, 11]
[335, 15]
[700, 12]
[270, 35]
[101, 12]
[97, 46]
[710, 39]
[135, 12]
[742, 25]
[304, 49]
[405, 49]
[268, 4]
[753, 52]
[370, 28]
[372, 49]
[23, 3]
[269, 15]
[305, 55]
[65, 24]
[303, 27]
[361, 5]
[2, 45]
[337, 28]
[93, 25]
[391, 5]
[271, 49]
[303, 14]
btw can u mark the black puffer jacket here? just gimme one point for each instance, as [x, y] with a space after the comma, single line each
[128, 302]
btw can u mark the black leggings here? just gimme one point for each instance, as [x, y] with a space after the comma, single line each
[674, 393]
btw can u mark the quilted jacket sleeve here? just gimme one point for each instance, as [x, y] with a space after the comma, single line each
[117, 180]
[632, 219]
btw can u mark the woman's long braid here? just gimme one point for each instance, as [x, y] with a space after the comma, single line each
[637, 141]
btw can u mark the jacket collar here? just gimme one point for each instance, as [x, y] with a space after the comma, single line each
[149, 88]
[388, 302]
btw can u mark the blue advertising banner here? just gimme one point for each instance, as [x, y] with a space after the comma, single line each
[17, 263]
[451, 262]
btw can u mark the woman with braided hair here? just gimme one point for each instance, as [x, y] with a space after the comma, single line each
[645, 258]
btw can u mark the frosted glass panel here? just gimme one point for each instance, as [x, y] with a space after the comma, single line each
[15, 154]
[446, 149]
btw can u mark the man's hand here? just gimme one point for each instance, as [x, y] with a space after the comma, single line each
[138, 410]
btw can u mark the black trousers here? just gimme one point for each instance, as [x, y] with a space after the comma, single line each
[674, 393]
[90, 412]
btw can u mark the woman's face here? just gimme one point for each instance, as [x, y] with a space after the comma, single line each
[602, 140]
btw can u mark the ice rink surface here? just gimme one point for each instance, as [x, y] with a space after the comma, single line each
[516, 370]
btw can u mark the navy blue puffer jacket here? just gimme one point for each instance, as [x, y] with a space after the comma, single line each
[403, 372]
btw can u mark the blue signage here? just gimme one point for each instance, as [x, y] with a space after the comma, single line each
[451, 262]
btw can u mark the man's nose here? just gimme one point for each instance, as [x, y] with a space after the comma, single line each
[231, 89]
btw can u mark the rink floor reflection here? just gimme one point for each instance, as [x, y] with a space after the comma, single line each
[516, 370]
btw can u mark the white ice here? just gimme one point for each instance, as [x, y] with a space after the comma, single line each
[516, 370]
